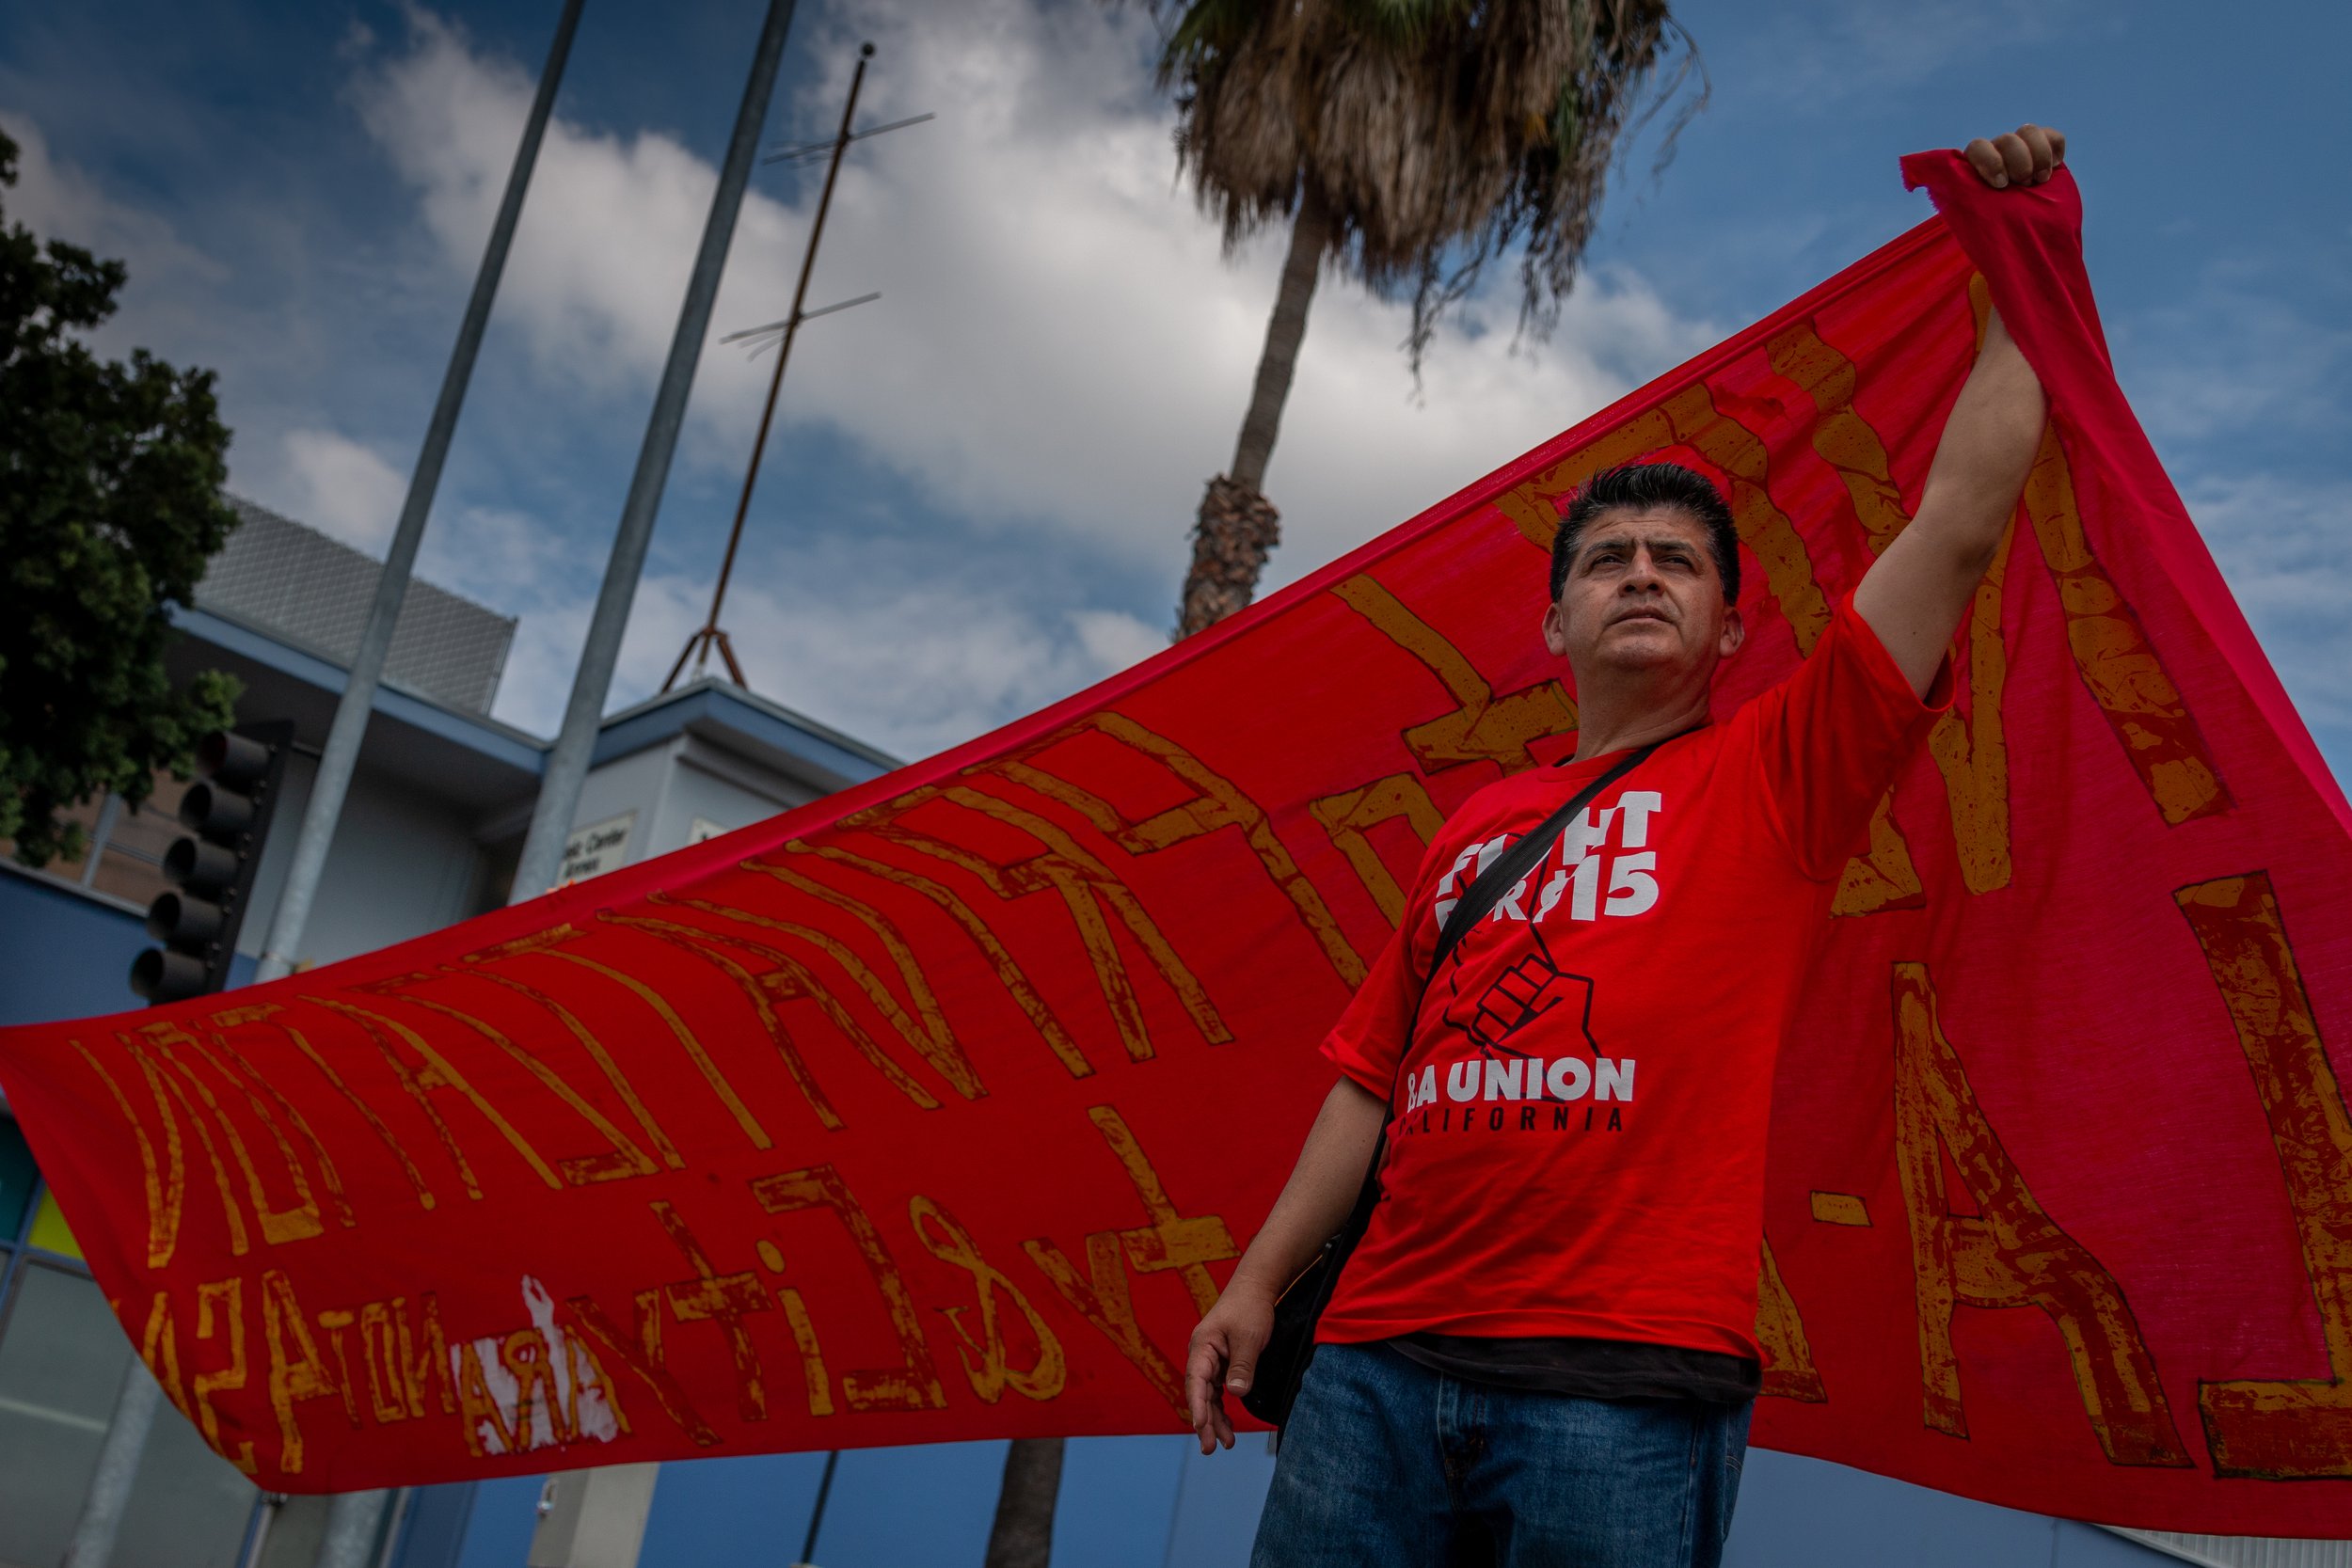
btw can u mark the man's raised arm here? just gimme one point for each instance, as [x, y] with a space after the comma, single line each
[1914, 594]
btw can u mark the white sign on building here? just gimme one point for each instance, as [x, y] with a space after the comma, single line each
[596, 848]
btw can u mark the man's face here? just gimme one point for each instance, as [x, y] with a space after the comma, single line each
[1642, 595]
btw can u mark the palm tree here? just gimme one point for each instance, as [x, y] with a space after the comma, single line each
[1409, 143]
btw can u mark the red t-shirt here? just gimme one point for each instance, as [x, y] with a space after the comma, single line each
[1577, 1145]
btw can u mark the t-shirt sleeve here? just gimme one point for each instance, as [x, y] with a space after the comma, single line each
[1831, 738]
[1370, 1039]
[1368, 1042]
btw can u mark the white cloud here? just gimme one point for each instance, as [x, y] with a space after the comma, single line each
[1058, 338]
[2234, 357]
[1061, 353]
[56, 200]
[339, 485]
[2282, 545]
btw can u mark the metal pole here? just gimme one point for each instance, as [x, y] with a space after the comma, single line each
[702, 641]
[404, 1500]
[109, 1493]
[336, 762]
[817, 1515]
[349, 1541]
[567, 764]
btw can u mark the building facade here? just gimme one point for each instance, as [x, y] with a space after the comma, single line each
[429, 836]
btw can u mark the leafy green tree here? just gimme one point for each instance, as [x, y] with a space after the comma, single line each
[1409, 144]
[110, 505]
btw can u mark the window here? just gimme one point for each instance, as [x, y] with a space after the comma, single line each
[131, 862]
[62, 1361]
[123, 850]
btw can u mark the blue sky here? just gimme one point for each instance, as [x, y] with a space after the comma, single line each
[978, 496]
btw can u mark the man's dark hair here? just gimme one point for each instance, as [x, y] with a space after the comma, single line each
[1642, 486]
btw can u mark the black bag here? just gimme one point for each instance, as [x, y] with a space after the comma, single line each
[1282, 1364]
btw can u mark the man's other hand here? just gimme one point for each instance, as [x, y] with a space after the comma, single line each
[1224, 1355]
[2026, 156]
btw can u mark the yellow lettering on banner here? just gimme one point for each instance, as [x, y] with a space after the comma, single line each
[277, 1225]
[618, 1161]
[1010, 975]
[760, 990]
[233, 1065]
[1843, 438]
[477, 1407]
[400, 1361]
[987, 1362]
[2284, 1429]
[1972, 753]
[813, 1376]
[367, 1113]
[1788, 1370]
[296, 1370]
[165, 1175]
[158, 1082]
[525, 1356]
[793, 978]
[2009, 1254]
[1088, 892]
[424, 1353]
[1218, 803]
[2120, 667]
[159, 1347]
[1350, 815]
[586, 1375]
[642, 1355]
[334, 1320]
[437, 1073]
[1485, 727]
[1100, 1297]
[678, 1032]
[388, 1401]
[220, 1313]
[1883, 875]
[937, 1043]
[481, 965]
[1185, 1243]
[941, 1051]
[914, 1383]
[725, 1299]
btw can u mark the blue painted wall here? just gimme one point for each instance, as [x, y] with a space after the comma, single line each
[1156, 1502]
[69, 956]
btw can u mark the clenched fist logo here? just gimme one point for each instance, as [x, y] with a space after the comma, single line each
[1533, 986]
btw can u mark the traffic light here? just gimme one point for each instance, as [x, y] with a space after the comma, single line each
[227, 812]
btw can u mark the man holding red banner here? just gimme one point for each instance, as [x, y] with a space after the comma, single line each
[1543, 1347]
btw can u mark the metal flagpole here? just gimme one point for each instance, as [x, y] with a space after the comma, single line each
[333, 781]
[94, 1532]
[567, 764]
[817, 1515]
[711, 635]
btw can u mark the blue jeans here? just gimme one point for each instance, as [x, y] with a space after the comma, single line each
[1387, 1461]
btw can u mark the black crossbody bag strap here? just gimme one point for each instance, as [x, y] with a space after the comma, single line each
[1283, 1365]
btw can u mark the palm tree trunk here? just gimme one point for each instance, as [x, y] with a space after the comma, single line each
[1023, 1536]
[1238, 527]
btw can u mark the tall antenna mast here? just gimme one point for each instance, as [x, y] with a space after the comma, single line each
[781, 333]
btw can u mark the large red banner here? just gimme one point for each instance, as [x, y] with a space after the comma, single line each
[939, 1109]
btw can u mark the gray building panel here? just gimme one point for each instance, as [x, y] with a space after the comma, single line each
[297, 584]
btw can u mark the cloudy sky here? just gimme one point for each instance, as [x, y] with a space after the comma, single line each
[978, 496]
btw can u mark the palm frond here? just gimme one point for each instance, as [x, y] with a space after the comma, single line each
[1441, 133]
